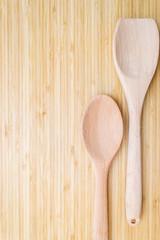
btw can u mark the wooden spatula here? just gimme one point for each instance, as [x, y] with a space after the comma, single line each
[102, 131]
[135, 53]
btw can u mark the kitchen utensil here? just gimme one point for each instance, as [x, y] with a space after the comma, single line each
[102, 130]
[135, 53]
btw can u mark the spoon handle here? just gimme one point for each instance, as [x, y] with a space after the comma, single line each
[133, 184]
[100, 225]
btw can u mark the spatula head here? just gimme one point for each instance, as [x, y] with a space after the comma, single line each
[135, 52]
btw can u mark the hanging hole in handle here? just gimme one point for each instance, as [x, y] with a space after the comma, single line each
[133, 221]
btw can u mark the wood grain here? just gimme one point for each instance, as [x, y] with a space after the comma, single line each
[54, 56]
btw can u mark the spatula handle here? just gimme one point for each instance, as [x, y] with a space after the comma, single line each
[133, 184]
[100, 224]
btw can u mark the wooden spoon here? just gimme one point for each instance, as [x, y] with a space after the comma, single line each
[135, 53]
[102, 130]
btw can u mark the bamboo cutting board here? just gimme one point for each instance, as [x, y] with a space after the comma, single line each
[54, 56]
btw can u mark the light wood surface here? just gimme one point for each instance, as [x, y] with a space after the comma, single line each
[135, 54]
[54, 56]
[102, 132]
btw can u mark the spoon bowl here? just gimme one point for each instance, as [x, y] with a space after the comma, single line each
[102, 131]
